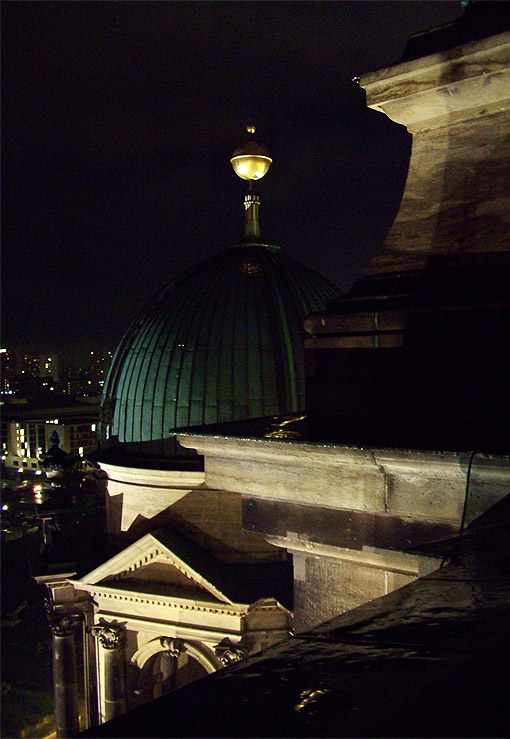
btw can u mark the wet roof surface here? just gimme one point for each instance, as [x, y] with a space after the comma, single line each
[481, 19]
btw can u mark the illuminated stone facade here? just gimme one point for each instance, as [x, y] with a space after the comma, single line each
[27, 428]
[155, 617]
[357, 515]
[407, 374]
[456, 104]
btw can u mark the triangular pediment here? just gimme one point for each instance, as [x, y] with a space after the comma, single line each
[152, 565]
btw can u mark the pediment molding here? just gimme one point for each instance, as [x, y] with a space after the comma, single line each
[138, 555]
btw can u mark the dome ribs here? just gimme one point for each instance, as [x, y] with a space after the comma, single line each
[224, 341]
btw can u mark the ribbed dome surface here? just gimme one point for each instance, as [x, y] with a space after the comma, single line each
[223, 342]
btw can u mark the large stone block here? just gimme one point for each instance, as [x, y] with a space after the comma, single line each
[312, 479]
[328, 587]
[426, 497]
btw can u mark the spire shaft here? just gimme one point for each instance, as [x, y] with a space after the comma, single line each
[252, 225]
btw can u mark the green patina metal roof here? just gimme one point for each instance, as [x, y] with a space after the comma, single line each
[222, 342]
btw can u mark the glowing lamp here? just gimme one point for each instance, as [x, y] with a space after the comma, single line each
[251, 161]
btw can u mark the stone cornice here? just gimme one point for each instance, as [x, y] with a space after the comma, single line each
[153, 478]
[228, 447]
[424, 485]
[268, 449]
[430, 68]
[443, 88]
[368, 557]
[168, 602]
[208, 635]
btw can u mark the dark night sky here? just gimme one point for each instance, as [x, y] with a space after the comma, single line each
[119, 120]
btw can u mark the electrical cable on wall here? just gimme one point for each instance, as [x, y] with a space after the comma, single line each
[458, 548]
[464, 509]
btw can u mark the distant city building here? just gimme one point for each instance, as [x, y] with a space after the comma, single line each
[30, 363]
[86, 378]
[26, 373]
[8, 381]
[73, 381]
[26, 430]
[48, 366]
[97, 370]
[32, 375]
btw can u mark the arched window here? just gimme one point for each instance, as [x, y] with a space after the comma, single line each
[166, 664]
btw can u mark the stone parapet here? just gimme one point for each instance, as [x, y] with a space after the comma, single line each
[415, 484]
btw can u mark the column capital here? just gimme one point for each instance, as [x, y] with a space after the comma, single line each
[229, 653]
[109, 635]
[173, 647]
[60, 624]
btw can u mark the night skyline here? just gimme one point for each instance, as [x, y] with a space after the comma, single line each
[119, 123]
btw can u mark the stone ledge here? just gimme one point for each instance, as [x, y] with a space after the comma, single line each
[367, 556]
[152, 478]
[461, 62]
[423, 485]
[463, 83]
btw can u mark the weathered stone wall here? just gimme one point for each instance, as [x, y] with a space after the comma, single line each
[456, 198]
[456, 105]
[140, 501]
[213, 518]
[326, 587]
[349, 516]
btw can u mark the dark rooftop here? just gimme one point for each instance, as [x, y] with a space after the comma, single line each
[51, 406]
[239, 583]
[480, 20]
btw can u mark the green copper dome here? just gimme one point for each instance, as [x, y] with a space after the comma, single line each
[223, 342]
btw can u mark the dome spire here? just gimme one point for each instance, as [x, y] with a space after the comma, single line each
[251, 161]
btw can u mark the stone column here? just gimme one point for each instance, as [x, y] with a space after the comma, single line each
[173, 649]
[65, 686]
[112, 669]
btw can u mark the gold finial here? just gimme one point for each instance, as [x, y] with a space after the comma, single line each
[251, 161]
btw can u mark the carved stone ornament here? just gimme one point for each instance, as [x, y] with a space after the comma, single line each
[61, 624]
[173, 647]
[110, 636]
[229, 653]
